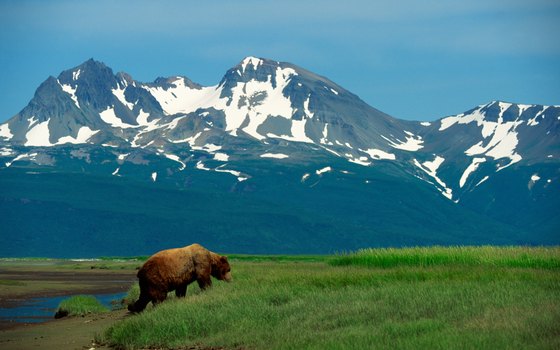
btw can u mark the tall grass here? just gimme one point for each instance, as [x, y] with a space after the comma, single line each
[315, 305]
[80, 305]
[132, 294]
[485, 256]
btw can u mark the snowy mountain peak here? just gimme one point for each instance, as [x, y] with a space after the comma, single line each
[266, 103]
[92, 66]
[250, 61]
[255, 69]
[89, 70]
[174, 82]
[274, 129]
[124, 79]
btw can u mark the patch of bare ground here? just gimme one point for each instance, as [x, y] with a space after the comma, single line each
[68, 333]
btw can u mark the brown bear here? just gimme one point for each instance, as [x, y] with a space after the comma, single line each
[174, 269]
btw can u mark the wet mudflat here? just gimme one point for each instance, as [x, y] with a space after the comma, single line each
[31, 289]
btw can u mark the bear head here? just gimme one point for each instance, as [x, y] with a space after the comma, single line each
[221, 269]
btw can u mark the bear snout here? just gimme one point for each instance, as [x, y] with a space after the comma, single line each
[227, 277]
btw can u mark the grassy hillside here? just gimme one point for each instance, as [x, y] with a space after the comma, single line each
[50, 213]
[440, 298]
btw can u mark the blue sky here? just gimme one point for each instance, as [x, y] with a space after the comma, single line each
[412, 59]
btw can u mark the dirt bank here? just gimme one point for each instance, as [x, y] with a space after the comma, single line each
[67, 333]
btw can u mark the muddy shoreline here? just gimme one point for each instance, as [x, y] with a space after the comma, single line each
[27, 279]
[81, 283]
[22, 282]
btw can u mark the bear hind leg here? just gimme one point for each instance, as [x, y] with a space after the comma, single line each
[158, 296]
[181, 291]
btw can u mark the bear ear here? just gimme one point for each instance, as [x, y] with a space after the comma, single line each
[223, 259]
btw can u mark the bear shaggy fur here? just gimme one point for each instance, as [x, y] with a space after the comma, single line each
[174, 269]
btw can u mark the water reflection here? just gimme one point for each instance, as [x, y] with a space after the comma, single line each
[43, 309]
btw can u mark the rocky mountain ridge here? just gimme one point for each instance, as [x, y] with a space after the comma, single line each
[285, 116]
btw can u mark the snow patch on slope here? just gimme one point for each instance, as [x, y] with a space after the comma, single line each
[504, 106]
[70, 91]
[523, 108]
[253, 61]
[232, 172]
[533, 121]
[430, 168]
[109, 117]
[4, 151]
[502, 144]
[274, 155]
[30, 156]
[142, 118]
[533, 181]
[119, 94]
[379, 154]
[308, 113]
[324, 170]
[257, 100]
[363, 161]
[222, 157]
[476, 116]
[503, 135]
[182, 99]
[482, 181]
[5, 131]
[323, 139]
[298, 133]
[201, 166]
[76, 74]
[38, 135]
[412, 143]
[471, 168]
[209, 148]
[177, 159]
[84, 134]
[251, 102]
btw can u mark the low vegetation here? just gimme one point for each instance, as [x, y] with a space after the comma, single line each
[487, 297]
[80, 305]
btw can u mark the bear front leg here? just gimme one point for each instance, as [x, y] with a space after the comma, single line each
[204, 282]
[140, 304]
[181, 291]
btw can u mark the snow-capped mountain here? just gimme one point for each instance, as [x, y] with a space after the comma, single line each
[478, 144]
[258, 99]
[266, 114]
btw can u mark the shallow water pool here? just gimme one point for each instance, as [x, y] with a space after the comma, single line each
[43, 309]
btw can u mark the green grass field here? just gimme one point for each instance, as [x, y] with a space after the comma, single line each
[437, 298]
